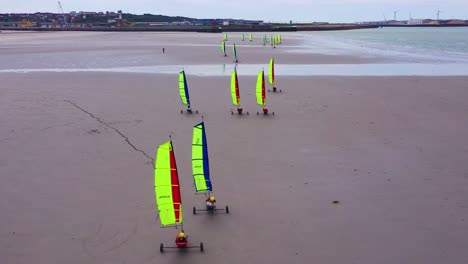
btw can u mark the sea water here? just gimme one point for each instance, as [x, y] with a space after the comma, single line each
[415, 44]
[404, 52]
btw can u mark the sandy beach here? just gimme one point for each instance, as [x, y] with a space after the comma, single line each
[76, 154]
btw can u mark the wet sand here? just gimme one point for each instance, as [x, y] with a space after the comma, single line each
[391, 150]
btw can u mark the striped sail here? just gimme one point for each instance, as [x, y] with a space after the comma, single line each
[242, 37]
[234, 51]
[200, 164]
[250, 37]
[223, 47]
[166, 186]
[271, 72]
[260, 91]
[235, 88]
[183, 89]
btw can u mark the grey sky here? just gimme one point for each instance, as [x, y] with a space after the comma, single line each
[272, 10]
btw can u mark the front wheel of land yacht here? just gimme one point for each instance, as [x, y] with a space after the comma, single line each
[201, 247]
[257, 113]
[247, 113]
[161, 247]
[227, 209]
[232, 112]
[194, 210]
[196, 112]
[273, 113]
[181, 111]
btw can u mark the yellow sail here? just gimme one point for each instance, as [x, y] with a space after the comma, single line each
[166, 186]
[260, 91]
[271, 72]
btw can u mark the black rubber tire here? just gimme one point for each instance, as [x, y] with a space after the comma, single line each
[268, 90]
[227, 209]
[181, 111]
[201, 247]
[257, 113]
[247, 113]
[273, 113]
[161, 247]
[232, 112]
[194, 210]
[196, 112]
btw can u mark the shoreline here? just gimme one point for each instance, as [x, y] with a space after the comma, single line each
[202, 29]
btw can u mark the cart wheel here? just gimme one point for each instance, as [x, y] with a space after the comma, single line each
[227, 209]
[201, 247]
[232, 112]
[196, 112]
[161, 247]
[247, 113]
[281, 91]
[194, 210]
[273, 113]
[181, 111]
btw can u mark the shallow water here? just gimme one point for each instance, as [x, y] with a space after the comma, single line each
[396, 69]
[436, 44]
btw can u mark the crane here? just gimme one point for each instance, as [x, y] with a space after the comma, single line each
[394, 14]
[60, 9]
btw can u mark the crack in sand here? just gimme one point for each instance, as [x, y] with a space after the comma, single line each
[113, 128]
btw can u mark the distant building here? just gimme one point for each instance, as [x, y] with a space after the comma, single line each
[456, 22]
[415, 21]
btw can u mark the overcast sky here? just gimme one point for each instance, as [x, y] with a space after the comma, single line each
[268, 10]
